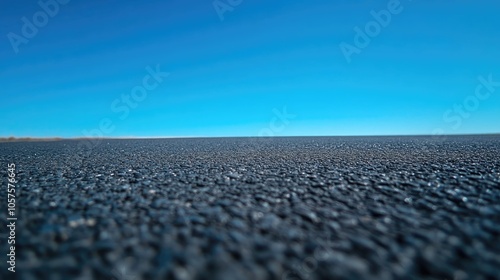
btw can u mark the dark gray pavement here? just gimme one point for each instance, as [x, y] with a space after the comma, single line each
[238, 208]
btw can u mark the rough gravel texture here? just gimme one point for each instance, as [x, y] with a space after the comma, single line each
[237, 208]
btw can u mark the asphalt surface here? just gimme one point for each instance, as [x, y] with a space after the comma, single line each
[236, 208]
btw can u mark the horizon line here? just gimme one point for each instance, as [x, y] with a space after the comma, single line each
[57, 138]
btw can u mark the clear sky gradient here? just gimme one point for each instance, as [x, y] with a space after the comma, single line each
[234, 68]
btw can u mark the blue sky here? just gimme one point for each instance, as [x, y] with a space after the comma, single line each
[236, 69]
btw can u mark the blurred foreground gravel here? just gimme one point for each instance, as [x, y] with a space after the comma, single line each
[243, 208]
